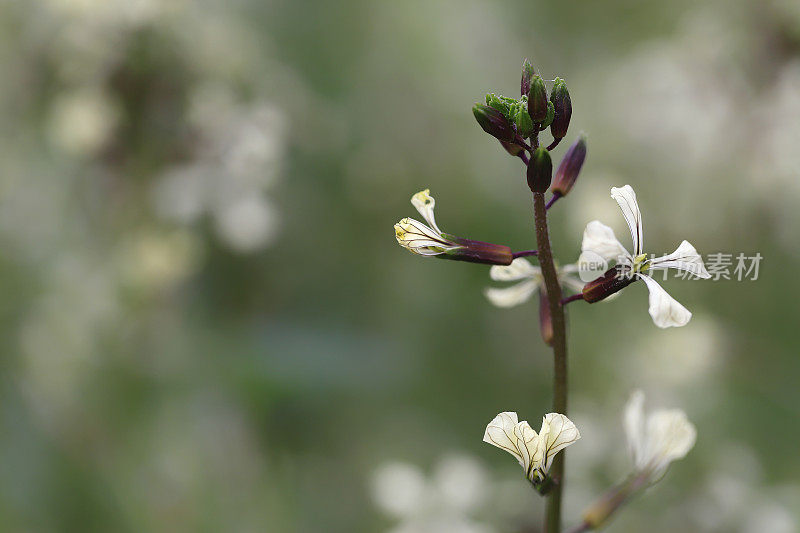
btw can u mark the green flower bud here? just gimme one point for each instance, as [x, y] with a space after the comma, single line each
[551, 113]
[524, 122]
[540, 170]
[570, 167]
[527, 74]
[499, 103]
[563, 109]
[537, 99]
[494, 122]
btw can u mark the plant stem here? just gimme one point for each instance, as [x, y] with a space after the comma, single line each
[524, 253]
[553, 513]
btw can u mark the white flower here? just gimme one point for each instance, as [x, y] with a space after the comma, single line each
[418, 238]
[600, 239]
[529, 278]
[655, 441]
[535, 452]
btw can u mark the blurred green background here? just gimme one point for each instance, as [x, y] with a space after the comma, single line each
[206, 322]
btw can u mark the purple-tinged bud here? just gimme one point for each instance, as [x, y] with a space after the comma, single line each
[493, 122]
[478, 252]
[537, 100]
[570, 167]
[563, 109]
[540, 170]
[512, 148]
[545, 319]
[527, 74]
[613, 280]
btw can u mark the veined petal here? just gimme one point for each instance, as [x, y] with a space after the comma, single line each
[600, 239]
[520, 268]
[516, 294]
[626, 199]
[424, 203]
[500, 433]
[684, 258]
[633, 423]
[670, 436]
[420, 239]
[557, 433]
[664, 309]
[528, 442]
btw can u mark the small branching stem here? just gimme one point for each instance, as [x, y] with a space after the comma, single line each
[553, 200]
[554, 143]
[553, 513]
[524, 253]
[573, 298]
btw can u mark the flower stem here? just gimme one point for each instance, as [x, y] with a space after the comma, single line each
[568, 299]
[553, 200]
[553, 513]
[554, 144]
[524, 253]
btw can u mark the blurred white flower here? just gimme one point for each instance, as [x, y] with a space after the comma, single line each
[82, 121]
[654, 442]
[247, 225]
[440, 504]
[599, 239]
[529, 279]
[535, 452]
[418, 238]
[155, 261]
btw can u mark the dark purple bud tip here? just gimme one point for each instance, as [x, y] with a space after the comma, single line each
[570, 167]
[540, 170]
[562, 105]
[493, 122]
[612, 281]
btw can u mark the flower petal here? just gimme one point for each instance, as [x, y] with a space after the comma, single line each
[520, 268]
[600, 239]
[557, 432]
[626, 199]
[528, 443]
[424, 203]
[664, 309]
[418, 238]
[670, 436]
[514, 295]
[633, 423]
[500, 433]
[684, 258]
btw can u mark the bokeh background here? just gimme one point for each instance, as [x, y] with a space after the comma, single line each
[206, 323]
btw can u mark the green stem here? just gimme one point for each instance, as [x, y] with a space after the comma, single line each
[553, 513]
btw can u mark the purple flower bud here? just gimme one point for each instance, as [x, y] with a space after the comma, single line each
[540, 170]
[527, 74]
[613, 280]
[478, 252]
[545, 320]
[570, 167]
[537, 100]
[493, 122]
[563, 109]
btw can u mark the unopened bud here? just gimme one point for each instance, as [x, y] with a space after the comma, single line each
[540, 170]
[570, 167]
[512, 148]
[537, 100]
[551, 113]
[612, 281]
[600, 511]
[478, 252]
[493, 122]
[524, 123]
[545, 319]
[563, 109]
[527, 74]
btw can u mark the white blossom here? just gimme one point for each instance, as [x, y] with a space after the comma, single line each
[599, 239]
[528, 278]
[419, 238]
[534, 451]
[655, 440]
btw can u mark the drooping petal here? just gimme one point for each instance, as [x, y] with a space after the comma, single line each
[500, 433]
[418, 238]
[516, 294]
[684, 258]
[519, 269]
[626, 199]
[528, 442]
[600, 239]
[557, 432]
[670, 436]
[425, 203]
[664, 309]
[633, 423]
